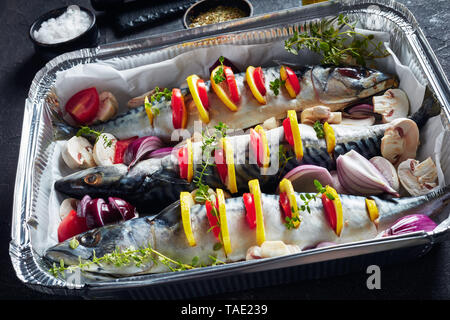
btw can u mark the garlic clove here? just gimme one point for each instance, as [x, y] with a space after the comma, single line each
[418, 178]
[270, 249]
[393, 104]
[108, 107]
[78, 154]
[318, 113]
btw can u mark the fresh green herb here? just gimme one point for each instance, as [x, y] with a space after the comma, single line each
[283, 158]
[318, 128]
[217, 246]
[126, 257]
[337, 44]
[290, 222]
[86, 131]
[219, 76]
[158, 94]
[152, 107]
[276, 85]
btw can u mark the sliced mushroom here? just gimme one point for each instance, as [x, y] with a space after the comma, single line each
[270, 249]
[104, 149]
[416, 177]
[392, 105]
[400, 141]
[108, 107]
[66, 206]
[77, 153]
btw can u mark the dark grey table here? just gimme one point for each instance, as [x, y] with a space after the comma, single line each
[424, 278]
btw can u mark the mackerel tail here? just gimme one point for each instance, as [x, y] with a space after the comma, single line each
[430, 204]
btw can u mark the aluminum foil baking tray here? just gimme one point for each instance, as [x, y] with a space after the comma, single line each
[407, 41]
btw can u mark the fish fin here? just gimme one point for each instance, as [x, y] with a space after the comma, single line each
[430, 108]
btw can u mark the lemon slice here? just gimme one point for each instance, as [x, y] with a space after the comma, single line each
[372, 209]
[185, 204]
[229, 158]
[223, 221]
[221, 93]
[338, 206]
[148, 110]
[298, 146]
[329, 137]
[251, 83]
[265, 144]
[286, 186]
[192, 84]
[256, 192]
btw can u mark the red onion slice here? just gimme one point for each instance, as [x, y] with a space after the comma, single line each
[140, 149]
[410, 223]
[303, 176]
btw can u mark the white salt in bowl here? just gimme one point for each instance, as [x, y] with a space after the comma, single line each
[52, 35]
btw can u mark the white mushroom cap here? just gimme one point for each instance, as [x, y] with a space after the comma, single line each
[416, 177]
[104, 149]
[400, 141]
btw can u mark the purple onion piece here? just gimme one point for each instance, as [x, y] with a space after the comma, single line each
[303, 176]
[81, 208]
[162, 152]
[410, 223]
[126, 210]
[361, 110]
[94, 213]
[140, 149]
[110, 214]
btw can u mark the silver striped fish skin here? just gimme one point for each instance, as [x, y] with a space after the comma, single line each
[164, 232]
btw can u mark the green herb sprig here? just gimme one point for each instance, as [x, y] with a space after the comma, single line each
[219, 76]
[318, 128]
[158, 94]
[86, 131]
[276, 85]
[126, 257]
[332, 42]
[307, 198]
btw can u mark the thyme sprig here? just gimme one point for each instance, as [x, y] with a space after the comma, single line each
[219, 76]
[332, 42]
[158, 94]
[86, 131]
[307, 198]
[276, 85]
[126, 257]
[318, 128]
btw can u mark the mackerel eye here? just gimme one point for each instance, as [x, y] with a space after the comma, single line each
[93, 179]
[90, 239]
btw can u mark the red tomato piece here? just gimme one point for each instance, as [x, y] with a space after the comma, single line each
[83, 105]
[121, 147]
[249, 203]
[221, 164]
[179, 114]
[213, 218]
[183, 162]
[285, 204]
[232, 86]
[71, 226]
[260, 81]
[203, 93]
[330, 211]
[256, 146]
[293, 80]
[288, 131]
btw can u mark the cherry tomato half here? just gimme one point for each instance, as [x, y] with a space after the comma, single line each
[288, 131]
[83, 105]
[70, 226]
[221, 164]
[183, 159]
[285, 204]
[260, 81]
[213, 218]
[250, 210]
[203, 93]
[330, 211]
[179, 113]
[232, 86]
[121, 147]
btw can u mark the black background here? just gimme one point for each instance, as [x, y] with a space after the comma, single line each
[424, 278]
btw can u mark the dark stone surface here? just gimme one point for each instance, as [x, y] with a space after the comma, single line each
[424, 278]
